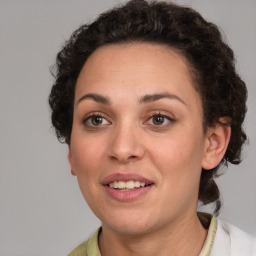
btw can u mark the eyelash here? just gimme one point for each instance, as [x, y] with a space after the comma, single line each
[89, 117]
[166, 117]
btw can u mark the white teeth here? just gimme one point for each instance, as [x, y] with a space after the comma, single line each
[121, 184]
[136, 184]
[126, 185]
[130, 184]
[115, 184]
[142, 184]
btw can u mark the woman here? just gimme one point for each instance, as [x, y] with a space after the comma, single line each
[149, 102]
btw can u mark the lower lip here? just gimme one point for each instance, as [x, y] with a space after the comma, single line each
[127, 195]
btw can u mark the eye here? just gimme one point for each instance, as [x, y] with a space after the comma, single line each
[160, 120]
[95, 120]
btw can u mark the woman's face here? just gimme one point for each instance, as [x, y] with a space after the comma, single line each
[137, 141]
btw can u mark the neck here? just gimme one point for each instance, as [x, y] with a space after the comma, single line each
[184, 237]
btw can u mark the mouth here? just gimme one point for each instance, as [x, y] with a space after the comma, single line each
[128, 185]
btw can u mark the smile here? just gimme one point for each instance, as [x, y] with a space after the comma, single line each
[128, 185]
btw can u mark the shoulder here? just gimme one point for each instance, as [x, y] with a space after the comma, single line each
[80, 250]
[233, 241]
[89, 247]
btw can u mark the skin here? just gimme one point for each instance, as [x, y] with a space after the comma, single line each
[129, 140]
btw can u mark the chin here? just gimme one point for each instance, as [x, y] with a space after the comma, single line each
[129, 229]
[129, 223]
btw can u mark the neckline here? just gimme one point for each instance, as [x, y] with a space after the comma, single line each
[208, 221]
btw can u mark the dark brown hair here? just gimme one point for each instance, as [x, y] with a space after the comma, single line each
[222, 91]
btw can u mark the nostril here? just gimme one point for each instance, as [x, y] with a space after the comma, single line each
[123, 159]
[125, 151]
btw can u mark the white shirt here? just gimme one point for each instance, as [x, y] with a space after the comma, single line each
[223, 239]
[231, 241]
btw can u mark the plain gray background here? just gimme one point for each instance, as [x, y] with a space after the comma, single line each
[41, 209]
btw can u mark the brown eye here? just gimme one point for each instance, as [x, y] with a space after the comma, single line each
[158, 120]
[96, 120]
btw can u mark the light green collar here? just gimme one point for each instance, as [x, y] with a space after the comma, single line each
[91, 247]
[206, 250]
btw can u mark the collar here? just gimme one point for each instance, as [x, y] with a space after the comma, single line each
[91, 247]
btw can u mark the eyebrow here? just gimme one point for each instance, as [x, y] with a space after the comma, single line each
[96, 97]
[157, 96]
[148, 98]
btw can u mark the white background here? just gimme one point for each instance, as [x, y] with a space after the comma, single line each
[41, 209]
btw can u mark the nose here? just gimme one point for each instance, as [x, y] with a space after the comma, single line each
[126, 144]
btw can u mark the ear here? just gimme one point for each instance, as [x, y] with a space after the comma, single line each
[217, 139]
[71, 162]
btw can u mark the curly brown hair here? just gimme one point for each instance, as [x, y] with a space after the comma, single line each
[211, 60]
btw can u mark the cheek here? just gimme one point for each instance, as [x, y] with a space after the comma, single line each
[179, 171]
[87, 155]
[178, 160]
[174, 152]
[88, 162]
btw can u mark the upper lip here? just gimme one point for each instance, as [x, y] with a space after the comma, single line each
[125, 177]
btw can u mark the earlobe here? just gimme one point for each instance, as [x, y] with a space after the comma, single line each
[71, 163]
[217, 140]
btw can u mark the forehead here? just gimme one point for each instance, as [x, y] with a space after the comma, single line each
[136, 68]
[141, 56]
